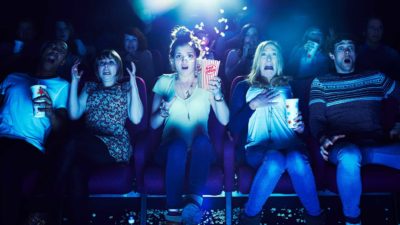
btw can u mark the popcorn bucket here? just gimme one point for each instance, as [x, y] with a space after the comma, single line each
[208, 69]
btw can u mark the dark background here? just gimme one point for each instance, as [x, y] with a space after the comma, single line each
[282, 20]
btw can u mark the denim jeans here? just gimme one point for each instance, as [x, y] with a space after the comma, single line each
[174, 155]
[349, 158]
[271, 164]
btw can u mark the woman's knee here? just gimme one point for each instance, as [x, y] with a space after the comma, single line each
[274, 163]
[297, 162]
[349, 155]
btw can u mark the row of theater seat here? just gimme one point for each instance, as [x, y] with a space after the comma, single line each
[226, 176]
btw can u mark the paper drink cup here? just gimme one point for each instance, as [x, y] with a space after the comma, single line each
[37, 91]
[292, 111]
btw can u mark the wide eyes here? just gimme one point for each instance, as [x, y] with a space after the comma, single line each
[108, 63]
[344, 48]
[270, 54]
[181, 57]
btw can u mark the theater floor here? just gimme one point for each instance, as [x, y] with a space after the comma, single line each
[378, 209]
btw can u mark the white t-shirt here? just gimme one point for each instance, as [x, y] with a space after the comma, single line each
[187, 117]
[267, 125]
[16, 113]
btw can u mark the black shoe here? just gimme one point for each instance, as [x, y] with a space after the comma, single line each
[315, 220]
[249, 220]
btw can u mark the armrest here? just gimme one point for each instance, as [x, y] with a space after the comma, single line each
[318, 164]
[144, 148]
[229, 165]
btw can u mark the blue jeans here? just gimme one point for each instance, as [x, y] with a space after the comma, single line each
[349, 158]
[271, 164]
[174, 155]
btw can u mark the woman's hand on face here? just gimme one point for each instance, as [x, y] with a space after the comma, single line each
[298, 124]
[76, 75]
[214, 86]
[132, 72]
[265, 98]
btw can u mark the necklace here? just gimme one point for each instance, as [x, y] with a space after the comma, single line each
[185, 90]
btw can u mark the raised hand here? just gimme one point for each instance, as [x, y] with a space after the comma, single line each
[75, 74]
[132, 72]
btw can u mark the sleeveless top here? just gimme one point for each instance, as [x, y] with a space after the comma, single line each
[106, 114]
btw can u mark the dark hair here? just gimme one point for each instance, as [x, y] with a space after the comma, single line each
[69, 26]
[244, 30]
[181, 36]
[306, 35]
[106, 54]
[134, 31]
[340, 37]
[368, 20]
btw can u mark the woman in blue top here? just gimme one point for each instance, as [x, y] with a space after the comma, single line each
[271, 147]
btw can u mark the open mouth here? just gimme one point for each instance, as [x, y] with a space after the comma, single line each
[268, 68]
[347, 61]
[185, 67]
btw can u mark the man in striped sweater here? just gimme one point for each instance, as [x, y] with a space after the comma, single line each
[345, 116]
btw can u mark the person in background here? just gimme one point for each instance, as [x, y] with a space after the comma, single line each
[271, 146]
[183, 108]
[307, 60]
[23, 136]
[238, 61]
[135, 50]
[21, 55]
[64, 31]
[345, 116]
[373, 54]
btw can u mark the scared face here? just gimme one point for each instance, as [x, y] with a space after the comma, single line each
[54, 55]
[268, 62]
[130, 43]
[107, 70]
[344, 56]
[184, 60]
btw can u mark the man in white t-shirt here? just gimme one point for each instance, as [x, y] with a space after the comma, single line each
[22, 135]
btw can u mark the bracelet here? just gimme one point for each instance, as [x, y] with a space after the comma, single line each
[220, 99]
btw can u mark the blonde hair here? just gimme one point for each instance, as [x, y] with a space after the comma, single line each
[255, 78]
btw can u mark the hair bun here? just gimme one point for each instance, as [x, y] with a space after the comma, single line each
[181, 33]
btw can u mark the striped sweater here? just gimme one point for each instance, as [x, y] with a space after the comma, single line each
[350, 104]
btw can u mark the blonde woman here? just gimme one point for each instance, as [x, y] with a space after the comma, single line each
[271, 147]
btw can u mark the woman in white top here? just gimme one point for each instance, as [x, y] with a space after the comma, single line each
[271, 146]
[183, 108]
